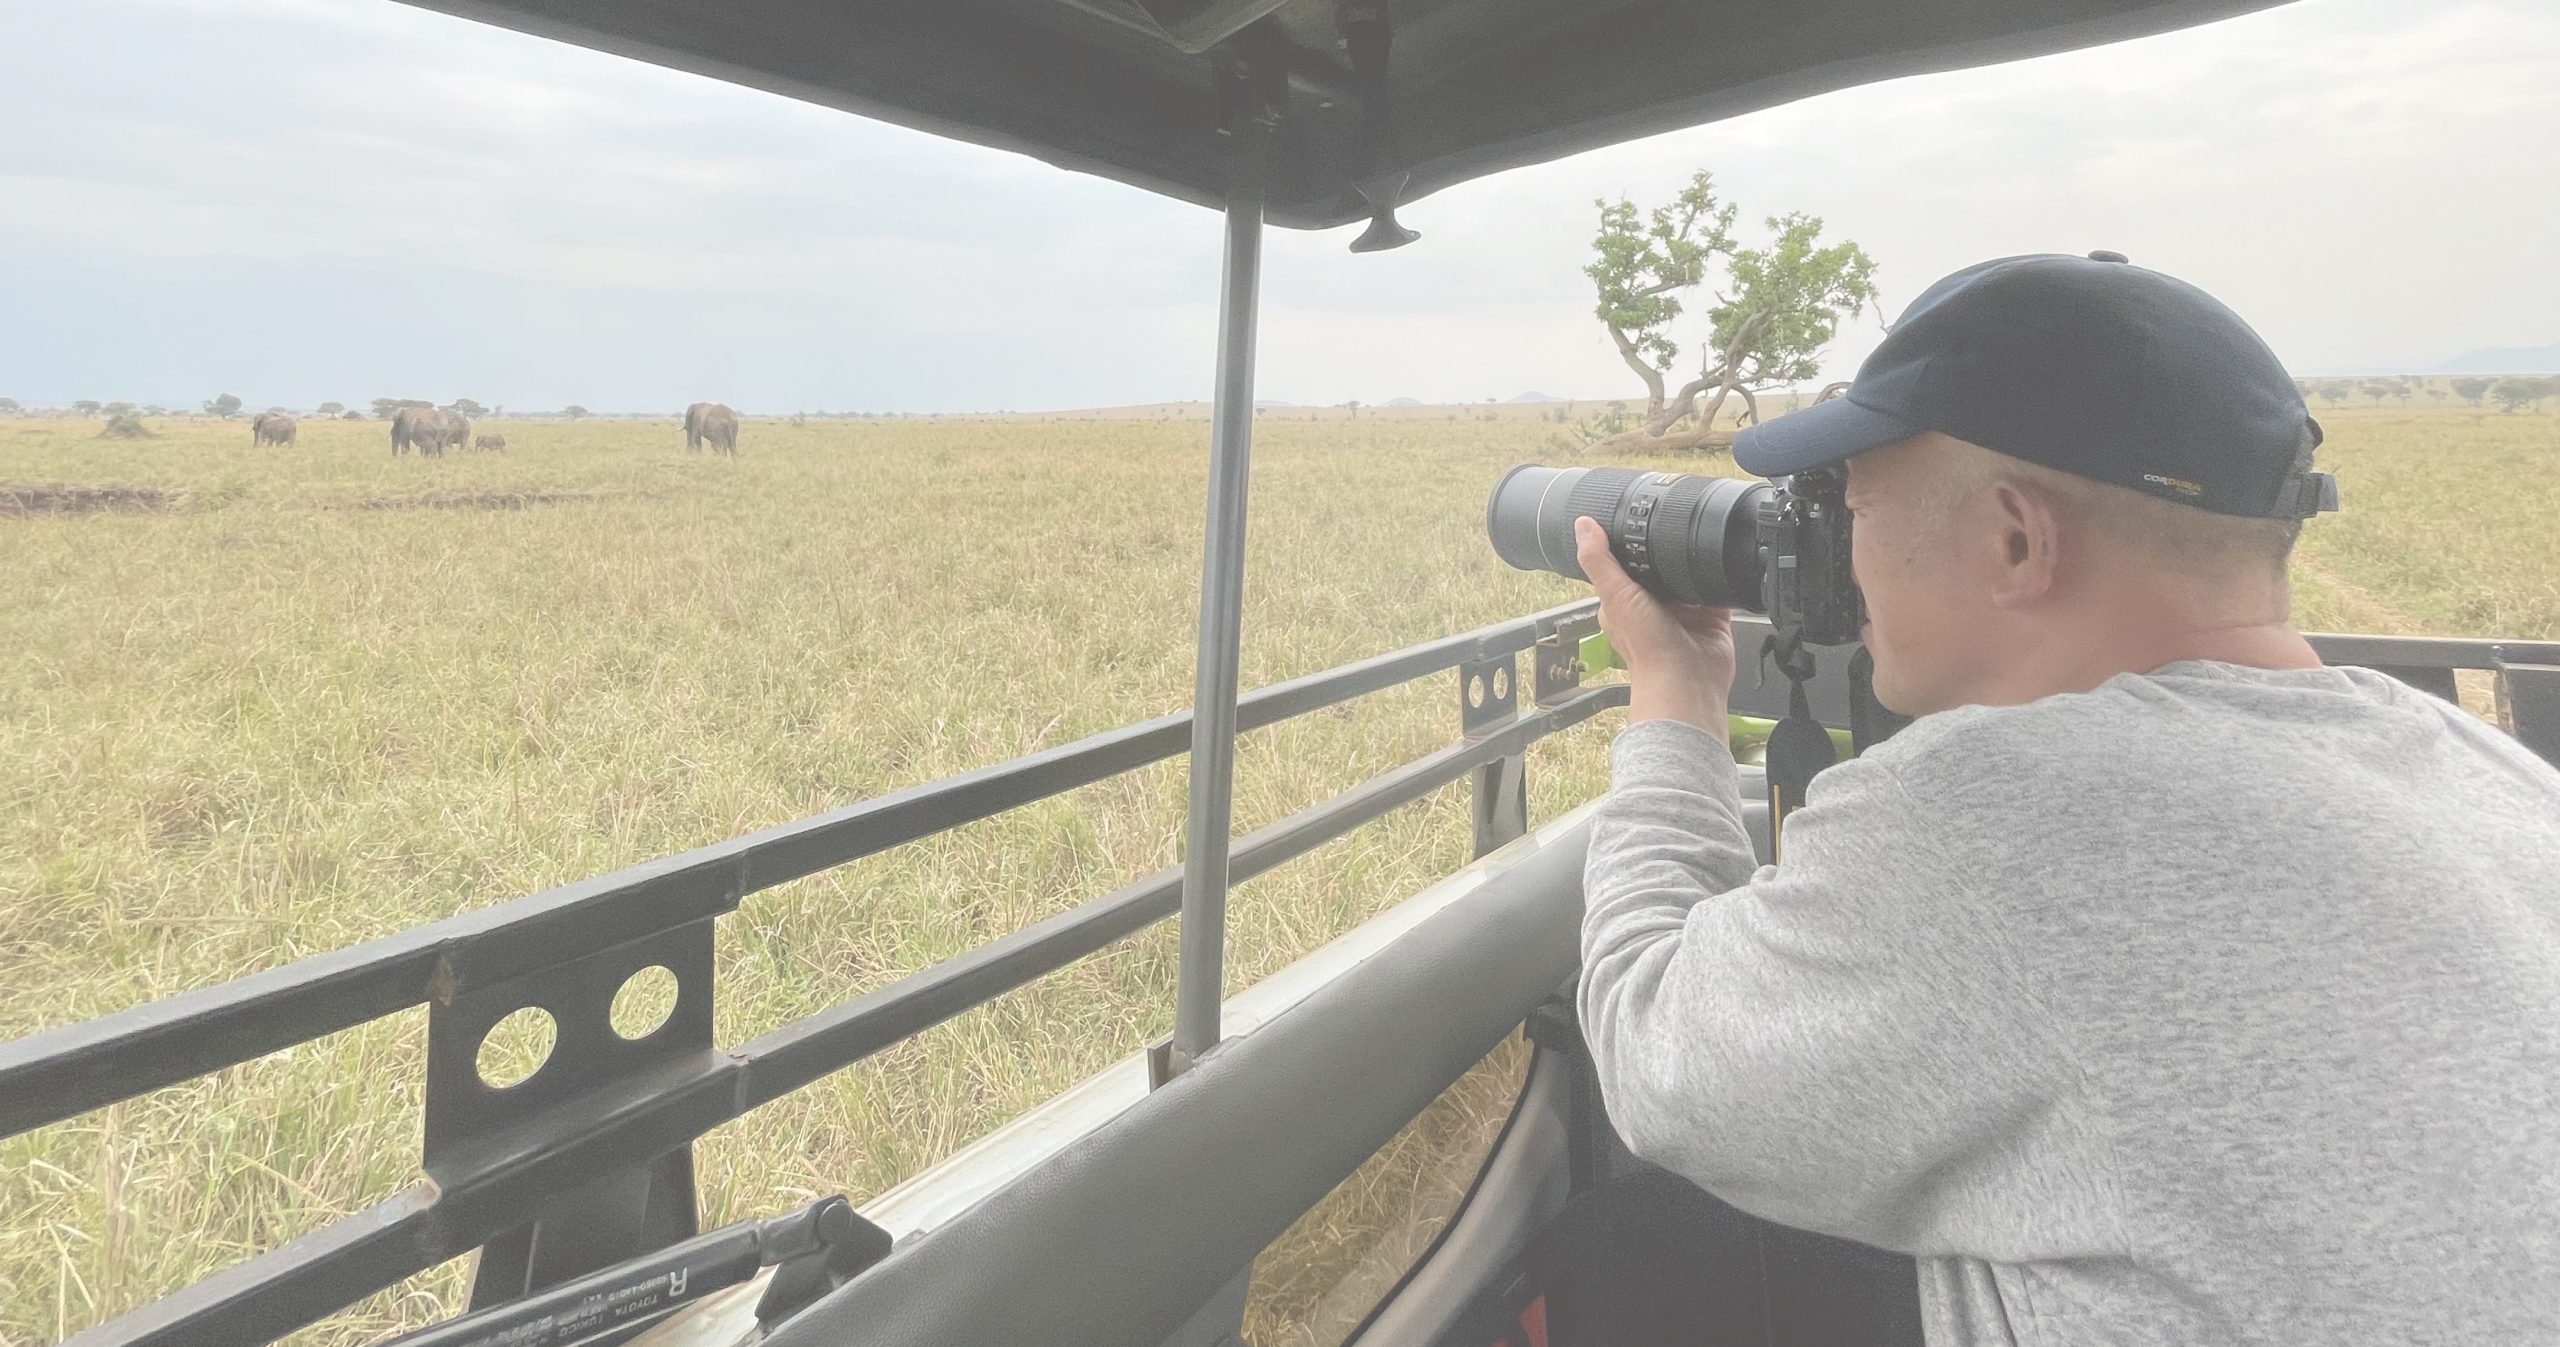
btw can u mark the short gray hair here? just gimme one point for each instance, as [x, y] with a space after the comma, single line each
[2189, 539]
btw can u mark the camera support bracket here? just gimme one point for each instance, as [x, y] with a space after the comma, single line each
[1557, 660]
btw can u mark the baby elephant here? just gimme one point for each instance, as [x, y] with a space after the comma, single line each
[496, 444]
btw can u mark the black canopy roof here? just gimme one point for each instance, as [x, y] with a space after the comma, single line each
[1126, 88]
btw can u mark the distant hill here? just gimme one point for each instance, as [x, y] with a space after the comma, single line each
[1532, 396]
[2504, 360]
[1272, 402]
[1406, 402]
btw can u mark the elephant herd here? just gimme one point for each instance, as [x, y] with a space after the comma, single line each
[432, 430]
[429, 430]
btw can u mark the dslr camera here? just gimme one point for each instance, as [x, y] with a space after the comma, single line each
[1776, 548]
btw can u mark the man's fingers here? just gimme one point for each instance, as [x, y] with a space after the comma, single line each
[1591, 548]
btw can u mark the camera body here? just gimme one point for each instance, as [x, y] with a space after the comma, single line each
[1803, 541]
[1777, 548]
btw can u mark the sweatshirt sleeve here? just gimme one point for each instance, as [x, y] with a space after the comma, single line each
[1843, 1045]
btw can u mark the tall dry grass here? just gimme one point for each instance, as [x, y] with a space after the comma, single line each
[260, 704]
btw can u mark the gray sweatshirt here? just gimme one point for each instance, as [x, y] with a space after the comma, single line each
[2217, 1005]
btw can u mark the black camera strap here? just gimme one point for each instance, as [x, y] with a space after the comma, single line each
[1799, 747]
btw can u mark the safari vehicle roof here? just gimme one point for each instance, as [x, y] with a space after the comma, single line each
[1125, 88]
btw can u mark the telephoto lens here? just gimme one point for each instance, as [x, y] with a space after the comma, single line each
[1688, 539]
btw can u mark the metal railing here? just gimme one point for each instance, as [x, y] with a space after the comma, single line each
[588, 1162]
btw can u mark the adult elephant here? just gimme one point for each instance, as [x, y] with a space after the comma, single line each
[427, 430]
[409, 426]
[272, 428]
[714, 423]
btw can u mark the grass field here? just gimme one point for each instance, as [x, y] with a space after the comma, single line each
[258, 704]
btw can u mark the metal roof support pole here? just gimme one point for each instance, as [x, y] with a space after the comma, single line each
[1254, 97]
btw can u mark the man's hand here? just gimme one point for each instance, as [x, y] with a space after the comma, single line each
[1679, 657]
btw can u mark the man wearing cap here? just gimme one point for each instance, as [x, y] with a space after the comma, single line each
[2158, 984]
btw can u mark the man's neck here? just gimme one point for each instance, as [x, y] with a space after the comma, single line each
[2079, 656]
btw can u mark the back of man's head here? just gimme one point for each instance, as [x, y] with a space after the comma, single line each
[2064, 467]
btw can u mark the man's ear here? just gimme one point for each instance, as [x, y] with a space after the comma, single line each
[2027, 538]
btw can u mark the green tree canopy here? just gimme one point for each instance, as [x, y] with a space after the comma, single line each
[2472, 390]
[1773, 307]
[225, 406]
[86, 406]
[2517, 392]
[467, 407]
[332, 408]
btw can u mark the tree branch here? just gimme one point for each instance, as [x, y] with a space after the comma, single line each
[1679, 406]
[1635, 361]
[1701, 436]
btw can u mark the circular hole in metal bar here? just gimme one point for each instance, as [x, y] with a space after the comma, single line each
[1501, 682]
[516, 1047]
[1475, 691]
[644, 1002]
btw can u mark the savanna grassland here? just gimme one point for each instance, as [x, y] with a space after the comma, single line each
[257, 704]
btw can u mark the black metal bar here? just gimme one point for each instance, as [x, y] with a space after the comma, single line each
[1488, 697]
[2528, 696]
[1502, 803]
[64, 1072]
[2436, 652]
[792, 1056]
[487, 1187]
[272, 1294]
[1201, 986]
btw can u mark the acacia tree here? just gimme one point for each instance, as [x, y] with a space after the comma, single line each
[2518, 392]
[86, 406]
[225, 406]
[2471, 390]
[332, 408]
[1774, 307]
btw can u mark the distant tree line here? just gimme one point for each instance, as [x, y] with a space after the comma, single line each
[2509, 393]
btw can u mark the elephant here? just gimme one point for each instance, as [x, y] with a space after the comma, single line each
[713, 422]
[428, 430]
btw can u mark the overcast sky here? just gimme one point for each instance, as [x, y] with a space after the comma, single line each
[303, 200]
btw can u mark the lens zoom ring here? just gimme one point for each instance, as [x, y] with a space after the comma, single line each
[1600, 494]
[1675, 533]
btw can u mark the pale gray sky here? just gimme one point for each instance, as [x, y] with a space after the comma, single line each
[301, 200]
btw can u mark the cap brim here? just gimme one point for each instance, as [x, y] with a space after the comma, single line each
[1810, 437]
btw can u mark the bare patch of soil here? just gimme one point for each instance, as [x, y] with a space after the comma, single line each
[40, 498]
[479, 500]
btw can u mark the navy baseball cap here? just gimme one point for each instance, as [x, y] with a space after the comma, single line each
[2090, 365]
